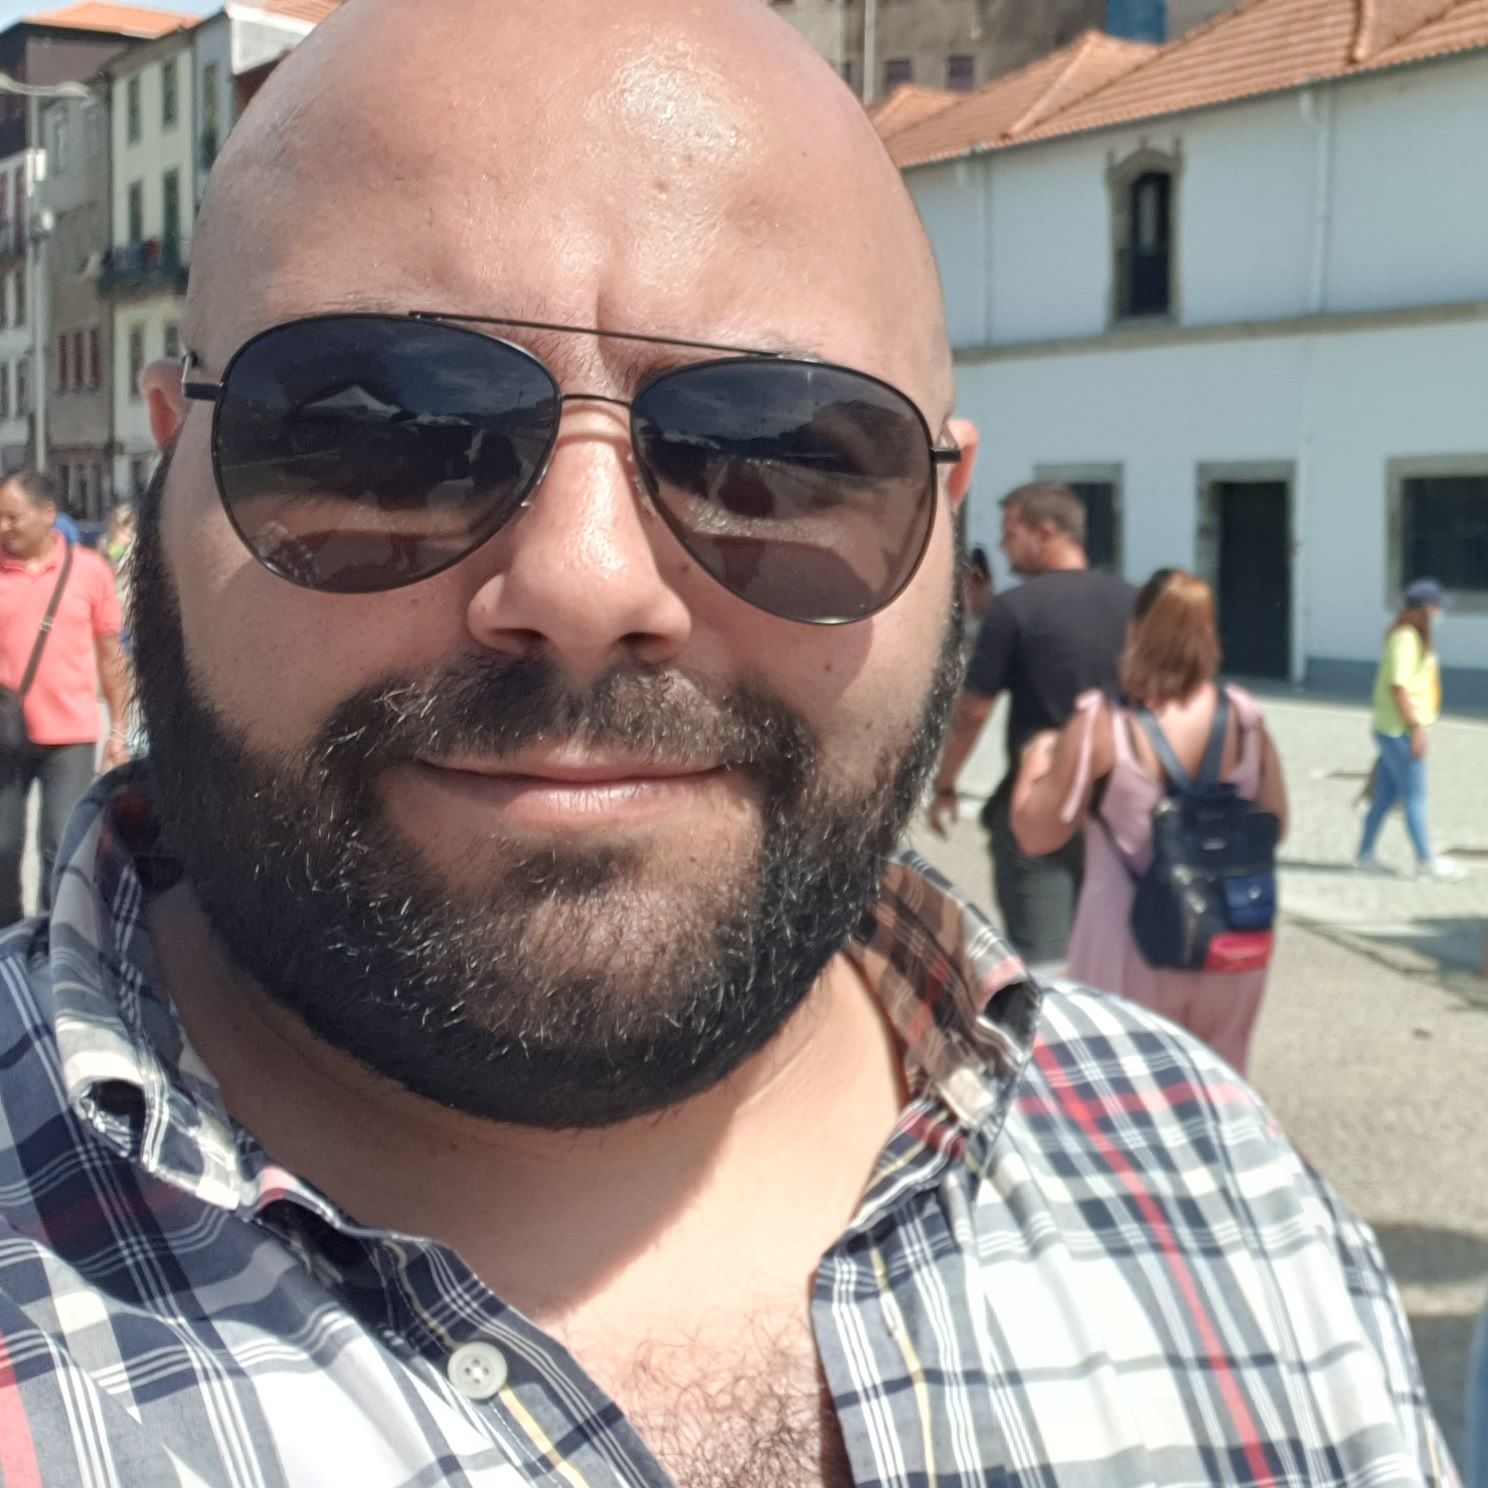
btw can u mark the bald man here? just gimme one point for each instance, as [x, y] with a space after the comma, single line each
[494, 1039]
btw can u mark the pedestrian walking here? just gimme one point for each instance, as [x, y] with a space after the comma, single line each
[496, 1037]
[1103, 777]
[1407, 704]
[59, 644]
[1053, 637]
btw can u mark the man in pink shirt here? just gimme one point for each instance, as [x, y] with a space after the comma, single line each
[81, 653]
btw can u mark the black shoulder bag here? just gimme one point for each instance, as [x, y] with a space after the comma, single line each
[14, 740]
[1207, 900]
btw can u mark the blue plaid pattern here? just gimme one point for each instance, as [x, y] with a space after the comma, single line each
[1086, 1259]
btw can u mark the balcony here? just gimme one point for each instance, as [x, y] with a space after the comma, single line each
[145, 267]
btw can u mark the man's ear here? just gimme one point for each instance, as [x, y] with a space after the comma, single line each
[160, 382]
[958, 482]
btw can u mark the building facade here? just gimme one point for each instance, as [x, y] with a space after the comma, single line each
[152, 108]
[876, 45]
[79, 421]
[1253, 332]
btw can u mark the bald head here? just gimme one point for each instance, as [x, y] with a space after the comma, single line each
[680, 167]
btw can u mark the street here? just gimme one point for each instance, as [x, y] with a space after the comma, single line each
[1374, 1036]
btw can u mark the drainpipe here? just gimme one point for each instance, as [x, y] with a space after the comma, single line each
[1319, 112]
[870, 50]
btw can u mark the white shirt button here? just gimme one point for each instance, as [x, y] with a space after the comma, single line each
[477, 1370]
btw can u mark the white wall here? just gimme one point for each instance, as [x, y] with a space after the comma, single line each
[158, 150]
[1385, 176]
[1339, 406]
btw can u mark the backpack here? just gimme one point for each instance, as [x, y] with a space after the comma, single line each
[1207, 900]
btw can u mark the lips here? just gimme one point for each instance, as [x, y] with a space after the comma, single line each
[575, 772]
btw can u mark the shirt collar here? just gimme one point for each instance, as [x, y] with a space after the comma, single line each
[961, 1002]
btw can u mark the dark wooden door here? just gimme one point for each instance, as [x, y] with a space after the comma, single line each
[1255, 577]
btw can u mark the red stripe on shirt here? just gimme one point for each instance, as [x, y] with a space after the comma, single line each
[18, 1465]
[1085, 1114]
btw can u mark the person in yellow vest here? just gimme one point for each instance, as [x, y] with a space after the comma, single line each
[1407, 702]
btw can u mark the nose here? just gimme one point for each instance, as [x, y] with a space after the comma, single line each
[577, 577]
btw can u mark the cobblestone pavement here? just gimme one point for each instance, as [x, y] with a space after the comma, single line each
[1374, 1039]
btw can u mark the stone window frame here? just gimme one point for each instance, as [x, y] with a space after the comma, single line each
[1412, 467]
[1122, 172]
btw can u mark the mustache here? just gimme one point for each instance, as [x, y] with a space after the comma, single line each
[491, 708]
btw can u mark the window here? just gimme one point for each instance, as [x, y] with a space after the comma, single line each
[95, 359]
[78, 384]
[59, 144]
[847, 73]
[136, 361]
[133, 111]
[5, 303]
[211, 138]
[137, 212]
[170, 94]
[172, 341]
[20, 295]
[5, 390]
[961, 73]
[1444, 531]
[1144, 191]
[19, 189]
[139, 475]
[64, 363]
[897, 70]
[170, 233]
[23, 387]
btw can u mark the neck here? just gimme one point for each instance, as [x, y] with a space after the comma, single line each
[760, 1173]
[1064, 557]
[40, 549]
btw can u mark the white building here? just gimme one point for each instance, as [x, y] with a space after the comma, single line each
[172, 103]
[152, 91]
[1237, 289]
[16, 313]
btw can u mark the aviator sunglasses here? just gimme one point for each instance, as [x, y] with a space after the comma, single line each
[360, 453]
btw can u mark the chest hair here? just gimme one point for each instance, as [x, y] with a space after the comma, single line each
[758, 1416]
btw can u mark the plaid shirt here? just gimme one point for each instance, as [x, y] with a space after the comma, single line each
[1086, 1259]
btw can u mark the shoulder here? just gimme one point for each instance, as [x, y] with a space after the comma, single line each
[1145, 1099]
[91, 566]
[1247, 707]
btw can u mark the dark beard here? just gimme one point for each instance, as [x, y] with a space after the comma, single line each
[475, 1002]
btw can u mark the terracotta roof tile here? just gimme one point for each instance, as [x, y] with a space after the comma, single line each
[1459, 29]
[1268, 45]
[313, 11]
[122, 20]
[907, 105]
[1264, 46]
[1016, 103]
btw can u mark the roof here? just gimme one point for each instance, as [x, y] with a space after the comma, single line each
[907, 105]
[1263, 46]
[1020, 101]
[118, 20]
[312, 12]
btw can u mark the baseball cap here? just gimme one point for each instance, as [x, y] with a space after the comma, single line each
[1424, 592]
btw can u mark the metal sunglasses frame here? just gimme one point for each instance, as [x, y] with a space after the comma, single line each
[198, 389]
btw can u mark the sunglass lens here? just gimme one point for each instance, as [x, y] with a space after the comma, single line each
[362, 453]
[806, 490]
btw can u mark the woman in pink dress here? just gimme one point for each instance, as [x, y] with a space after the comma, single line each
[1100, 773]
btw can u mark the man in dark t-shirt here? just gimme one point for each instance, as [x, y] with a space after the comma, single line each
[1056, 635]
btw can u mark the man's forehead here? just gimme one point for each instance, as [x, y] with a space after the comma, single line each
[632, 180]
